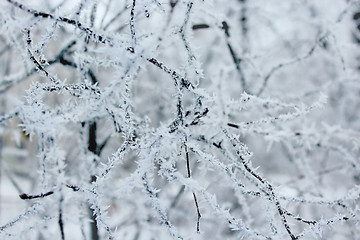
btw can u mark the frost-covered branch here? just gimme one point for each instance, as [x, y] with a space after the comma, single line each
[143, 119]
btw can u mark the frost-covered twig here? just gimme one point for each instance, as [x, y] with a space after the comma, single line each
[76, 24]
[8, 116]
[151, 193]
[31, 211]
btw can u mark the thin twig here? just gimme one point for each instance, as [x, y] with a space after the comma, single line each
[194, 195]
[280, 66]
[236, 59]
[131, 23]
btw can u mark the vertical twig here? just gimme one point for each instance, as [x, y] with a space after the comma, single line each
[92, 147]
[244, 27]
[194, 195]
[132, 26]
[93, 14]
[60, 221]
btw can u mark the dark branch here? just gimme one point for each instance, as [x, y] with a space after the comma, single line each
[200, 26]
[25, 196]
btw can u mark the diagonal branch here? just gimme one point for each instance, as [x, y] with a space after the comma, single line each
[269, 187]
